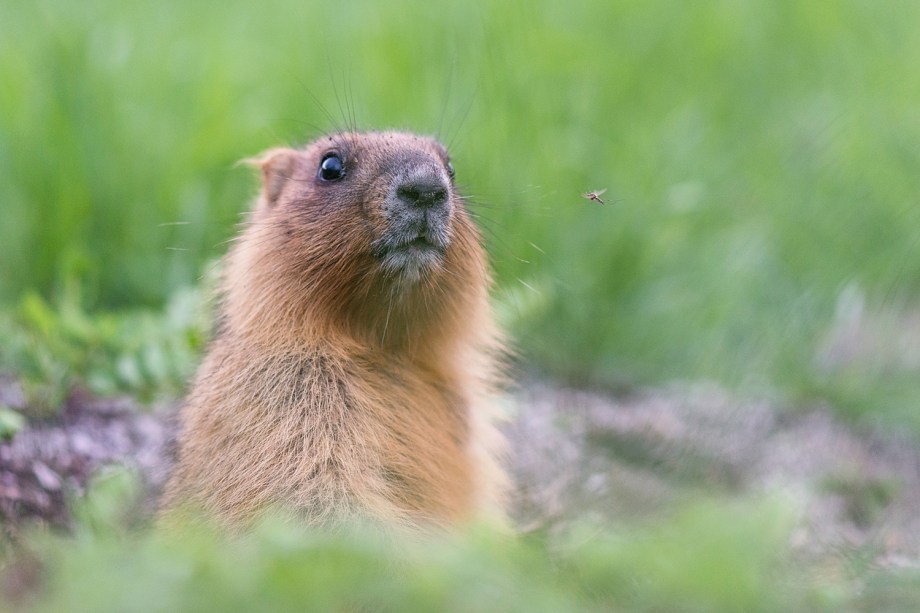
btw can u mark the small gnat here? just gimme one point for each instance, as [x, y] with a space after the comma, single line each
[595, 195]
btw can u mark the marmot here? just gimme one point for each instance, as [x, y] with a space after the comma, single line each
[355, 359]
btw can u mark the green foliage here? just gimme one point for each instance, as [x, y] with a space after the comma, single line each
[110, 504]
[11, 422]
[709, 557]
[760, 157]
[149, 354]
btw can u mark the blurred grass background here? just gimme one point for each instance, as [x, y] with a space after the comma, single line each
[761, 158]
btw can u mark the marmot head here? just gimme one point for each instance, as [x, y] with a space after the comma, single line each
[360, 230]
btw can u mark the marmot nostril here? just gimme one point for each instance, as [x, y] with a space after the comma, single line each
[423, 192]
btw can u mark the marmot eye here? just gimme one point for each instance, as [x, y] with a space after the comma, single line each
[331, 168]
[450, 170]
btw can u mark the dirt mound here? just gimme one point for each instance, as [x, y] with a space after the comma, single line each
[574, 453]
[50, 461]
[577, 453]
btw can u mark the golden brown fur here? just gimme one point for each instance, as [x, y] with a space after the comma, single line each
[337, 387]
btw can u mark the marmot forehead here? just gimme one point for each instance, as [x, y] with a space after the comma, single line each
[377, 144]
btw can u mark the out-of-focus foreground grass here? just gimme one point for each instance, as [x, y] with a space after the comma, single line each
[705, 558]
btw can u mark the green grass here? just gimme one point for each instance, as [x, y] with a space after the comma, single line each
[686, 562]
[54, 348]
[762, 157]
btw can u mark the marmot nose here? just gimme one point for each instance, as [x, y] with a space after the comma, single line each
[423, 190]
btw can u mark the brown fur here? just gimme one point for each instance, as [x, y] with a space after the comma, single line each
[333, 387]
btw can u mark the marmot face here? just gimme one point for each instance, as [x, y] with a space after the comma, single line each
[363, 229]
[397, 189]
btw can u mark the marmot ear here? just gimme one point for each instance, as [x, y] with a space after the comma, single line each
[277, 166]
